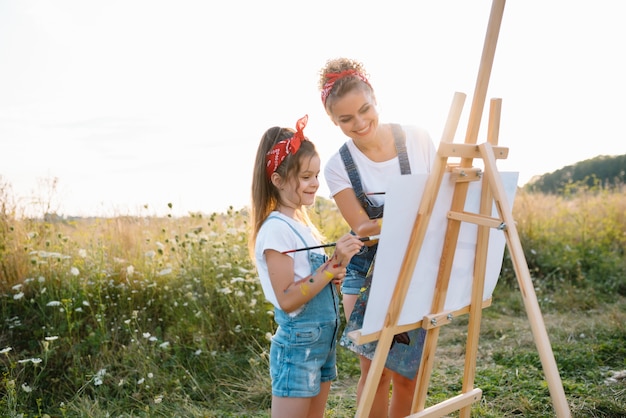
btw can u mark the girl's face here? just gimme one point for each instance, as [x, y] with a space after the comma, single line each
[356, 115]
[300, 191]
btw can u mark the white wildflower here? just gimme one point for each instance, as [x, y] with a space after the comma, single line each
[18, 296]
[164, 345]
[52, 338]
[158, 399]
[41, 279]
[86, 303]
[198, 352]
[146, 335]
[53, 303]
[150, 375]
[17, 286]
[164, 272]
[140, 381]
[31, 360]
[130, 270]
[97, 379]
[6, 350]
[74, 271]
[82, 253]
[26, 388]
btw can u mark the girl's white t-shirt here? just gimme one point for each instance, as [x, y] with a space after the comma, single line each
[376, 176]
[276, 235]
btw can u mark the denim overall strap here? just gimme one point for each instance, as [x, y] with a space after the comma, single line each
[400, 141]
[375, 211]
[353, 172]
[323, 307]
[294, 231]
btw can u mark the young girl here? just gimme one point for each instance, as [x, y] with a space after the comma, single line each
[373, 156]
[300, 284]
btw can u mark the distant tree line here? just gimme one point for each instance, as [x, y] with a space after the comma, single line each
[601, 171]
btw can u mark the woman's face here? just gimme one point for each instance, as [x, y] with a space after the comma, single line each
[356, 115]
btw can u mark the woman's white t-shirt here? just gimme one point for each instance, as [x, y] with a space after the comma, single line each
[376, 176]
[276, 235]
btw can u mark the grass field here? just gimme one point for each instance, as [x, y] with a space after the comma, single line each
[135, 316]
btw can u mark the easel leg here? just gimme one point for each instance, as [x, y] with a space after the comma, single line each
[374, 374]
[527, 289]
[478, 287]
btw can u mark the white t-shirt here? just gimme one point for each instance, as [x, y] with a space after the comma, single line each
[276, 235]
[375, 176]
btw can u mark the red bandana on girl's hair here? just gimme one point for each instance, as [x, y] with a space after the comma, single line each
[277, 154]
[331, 79]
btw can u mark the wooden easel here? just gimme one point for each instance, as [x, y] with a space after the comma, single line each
[492, 192]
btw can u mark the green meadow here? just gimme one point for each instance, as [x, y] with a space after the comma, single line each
[139, 316]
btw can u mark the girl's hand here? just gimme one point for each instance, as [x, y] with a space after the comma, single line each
[347, 246]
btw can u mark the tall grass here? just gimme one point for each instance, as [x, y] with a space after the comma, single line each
[142, 316]
[574, 243]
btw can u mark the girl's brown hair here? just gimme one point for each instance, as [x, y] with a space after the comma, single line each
[265, 196]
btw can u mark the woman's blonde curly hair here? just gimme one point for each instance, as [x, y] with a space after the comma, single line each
[345, 84]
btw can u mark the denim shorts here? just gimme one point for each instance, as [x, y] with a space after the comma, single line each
[357, 270]
[302, 359]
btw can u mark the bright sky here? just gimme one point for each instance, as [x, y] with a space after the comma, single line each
[135, 102]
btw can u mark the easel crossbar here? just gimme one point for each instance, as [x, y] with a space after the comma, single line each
[450, 405]
[461, 150]
[441, 318]
[477, 219]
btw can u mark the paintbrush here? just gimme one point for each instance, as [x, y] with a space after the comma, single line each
[332, 244]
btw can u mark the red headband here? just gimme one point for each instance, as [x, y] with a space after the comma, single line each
[280, 151]
[331, 79]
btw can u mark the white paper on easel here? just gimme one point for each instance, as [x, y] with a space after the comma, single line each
[402, 201]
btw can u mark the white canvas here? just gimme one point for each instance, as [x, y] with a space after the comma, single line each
[402, 202]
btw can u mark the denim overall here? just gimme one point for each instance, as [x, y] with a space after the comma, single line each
[360, 264]
[406, 350]
[303, 349]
